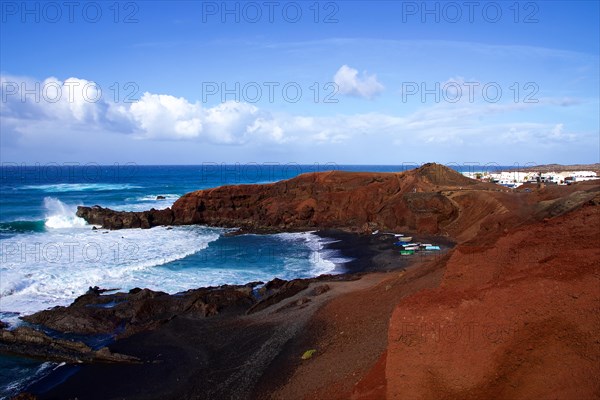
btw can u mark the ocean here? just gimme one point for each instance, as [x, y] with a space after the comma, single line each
[50, 256]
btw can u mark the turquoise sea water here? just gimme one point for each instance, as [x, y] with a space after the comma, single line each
[49, 256]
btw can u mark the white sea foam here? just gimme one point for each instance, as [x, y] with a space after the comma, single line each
[45, 269]
[80, 187]
[323, 261]
[17, 386]
[41, 270]
[142, 203]
[60, 215]
[153, 197]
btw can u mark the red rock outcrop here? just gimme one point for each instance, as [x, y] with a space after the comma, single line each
[410, 200]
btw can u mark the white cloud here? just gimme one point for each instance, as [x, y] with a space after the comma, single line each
[168, 117]
[228, 122]
[165, 117]
[350, 83]
[28, 106]
[77, 99]
[267, 128]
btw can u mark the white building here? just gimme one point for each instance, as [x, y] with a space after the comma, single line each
[517, 178]
[512, 179]
[580, 176]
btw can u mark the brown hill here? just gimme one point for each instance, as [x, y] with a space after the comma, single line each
[410, 200]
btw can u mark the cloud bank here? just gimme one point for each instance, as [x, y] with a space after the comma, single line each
[74, 105]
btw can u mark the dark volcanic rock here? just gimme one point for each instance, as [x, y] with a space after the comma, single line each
[33, 343]
[279, 290]
[110, 219]
[140, 309]
[345, 200]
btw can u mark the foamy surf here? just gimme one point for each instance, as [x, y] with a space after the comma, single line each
[51, 267]
[57, 215]
[60, 215]
[42, 270]
[323, 261]
[143, 203]
[80, 187]
[27, 373]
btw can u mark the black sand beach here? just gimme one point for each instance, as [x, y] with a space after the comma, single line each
[225, 356]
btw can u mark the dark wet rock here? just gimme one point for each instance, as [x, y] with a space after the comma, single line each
[279, 290]
[98, 291]
[110, 219]
[140, 309]
[122, 315]
[3, 325]
[160, 197]
[271, 286]
[33, 343]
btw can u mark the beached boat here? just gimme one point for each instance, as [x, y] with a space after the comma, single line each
[411, 248]
[375, 233]
[406, 252]
[425, 244]
[432, 248]
[405, 239]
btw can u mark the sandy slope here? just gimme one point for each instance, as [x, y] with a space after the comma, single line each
[517, 319]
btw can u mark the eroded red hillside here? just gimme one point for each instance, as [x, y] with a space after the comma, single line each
[516, 317]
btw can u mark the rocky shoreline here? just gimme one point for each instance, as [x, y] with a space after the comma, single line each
[359, 202]
[140, 312]
[367, 330]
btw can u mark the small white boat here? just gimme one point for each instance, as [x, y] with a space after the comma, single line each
[398, 234]
[432, 248]
[405, 239]
[426, 244]
[375, 233]
[413, 248]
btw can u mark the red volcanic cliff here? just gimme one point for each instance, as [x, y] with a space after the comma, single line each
[515, 315]
[410, 200]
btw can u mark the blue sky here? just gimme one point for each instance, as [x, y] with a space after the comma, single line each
[350, 82]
